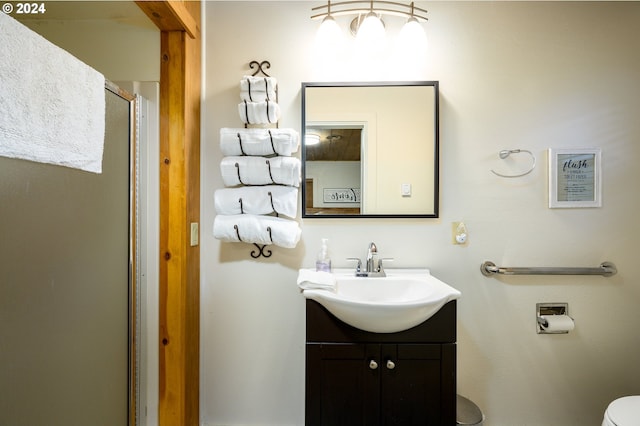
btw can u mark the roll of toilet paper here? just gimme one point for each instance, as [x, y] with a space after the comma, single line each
[558, 323]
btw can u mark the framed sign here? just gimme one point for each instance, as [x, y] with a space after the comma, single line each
[575, 178]
[341, 195]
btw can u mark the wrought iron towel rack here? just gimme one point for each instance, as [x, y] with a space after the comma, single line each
[606, 269]
[261, 249]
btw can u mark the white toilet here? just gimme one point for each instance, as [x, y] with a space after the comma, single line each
[623, 411]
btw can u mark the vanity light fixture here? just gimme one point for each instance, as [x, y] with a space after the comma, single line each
[314, 139]
[311, 139]
[369, 15]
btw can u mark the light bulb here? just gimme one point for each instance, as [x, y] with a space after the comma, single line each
[371, 31]
[410, 50]
[329, 35]
[311, 139]
[412, 35]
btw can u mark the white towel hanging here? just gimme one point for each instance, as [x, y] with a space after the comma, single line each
[261, 200]
[258, 83]
[260, 171]
[259, 112]
[253, 96]
[52, 106]
[258, 142]
[248, 228]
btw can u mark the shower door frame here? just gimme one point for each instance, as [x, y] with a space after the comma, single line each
[134, 310]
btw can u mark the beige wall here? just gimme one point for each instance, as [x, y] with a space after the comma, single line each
[122, 51]
[512, 75]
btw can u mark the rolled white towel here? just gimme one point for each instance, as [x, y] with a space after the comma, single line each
[257, 229]
[259, 84]
[268, 199]
[259, 112]
[260, 171]
[308, 279]
[258, 96]
[258, 141]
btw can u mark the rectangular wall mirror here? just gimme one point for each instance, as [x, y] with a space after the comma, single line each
[370, 149]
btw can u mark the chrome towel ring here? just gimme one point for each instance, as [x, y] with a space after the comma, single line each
[507, 152]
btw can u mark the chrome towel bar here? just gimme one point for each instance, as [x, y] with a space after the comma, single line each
[606, 269]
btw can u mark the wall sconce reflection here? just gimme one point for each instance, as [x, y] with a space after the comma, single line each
[311, 139]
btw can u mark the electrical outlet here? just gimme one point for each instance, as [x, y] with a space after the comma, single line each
[458, 233]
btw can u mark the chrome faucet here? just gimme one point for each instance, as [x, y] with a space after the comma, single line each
[373, 262]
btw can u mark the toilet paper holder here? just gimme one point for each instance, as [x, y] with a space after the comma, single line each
[546, 309]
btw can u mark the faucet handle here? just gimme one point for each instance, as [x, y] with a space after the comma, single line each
[386, 259]
[358, 265]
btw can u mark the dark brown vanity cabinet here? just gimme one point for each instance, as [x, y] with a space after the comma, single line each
[358, 378]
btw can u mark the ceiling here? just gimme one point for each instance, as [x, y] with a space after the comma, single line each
[335, 145]
[121, 11]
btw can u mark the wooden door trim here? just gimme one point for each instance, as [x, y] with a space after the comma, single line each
[179, 282]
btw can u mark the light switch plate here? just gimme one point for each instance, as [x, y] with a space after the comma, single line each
[194, 234]
[405, 189]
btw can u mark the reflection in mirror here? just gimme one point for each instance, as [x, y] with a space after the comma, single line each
[370, 150]
[333, 161]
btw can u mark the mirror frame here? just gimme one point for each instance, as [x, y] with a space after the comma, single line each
[436, 165]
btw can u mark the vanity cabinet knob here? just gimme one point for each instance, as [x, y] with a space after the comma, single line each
[390, 364]
[373, 364]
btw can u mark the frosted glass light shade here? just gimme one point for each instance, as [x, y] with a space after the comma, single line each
[412, 35]
[371, 30]
[311, 139]
[329, 34]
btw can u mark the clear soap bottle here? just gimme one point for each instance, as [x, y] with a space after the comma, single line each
[323, 262]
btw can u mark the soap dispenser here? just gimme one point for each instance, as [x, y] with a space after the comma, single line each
[323, 262]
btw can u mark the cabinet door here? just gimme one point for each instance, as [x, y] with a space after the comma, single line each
[342, 385]
[414, 388]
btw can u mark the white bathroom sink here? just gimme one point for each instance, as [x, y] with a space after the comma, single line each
[397, 302]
